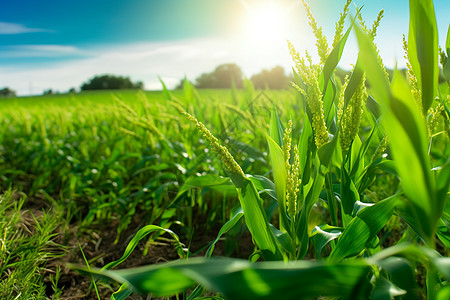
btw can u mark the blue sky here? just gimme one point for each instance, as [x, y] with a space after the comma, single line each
[60, 44]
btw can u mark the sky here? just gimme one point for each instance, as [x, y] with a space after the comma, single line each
[54, 44]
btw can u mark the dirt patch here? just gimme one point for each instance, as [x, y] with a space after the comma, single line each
[99, 247]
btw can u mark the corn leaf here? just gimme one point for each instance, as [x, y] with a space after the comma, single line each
[349, 193]
[280, 177]
[423, 48]
[446, 66]
[255, 217]
[325, 79]
[326, 151]
[373, 107]
[407, 132]
[402, 274]
[443, 293]
[240, 279]
[302, 223]
[414, 254]
[447, 43]
[122, 293]
[367, 223]
[264, 185]
[322, 235]
[276, 129]
[225, 228]
[306, 140]
[385, 289]
[142, 233]
[201, 182]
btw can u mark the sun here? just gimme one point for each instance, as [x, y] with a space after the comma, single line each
[265, 23]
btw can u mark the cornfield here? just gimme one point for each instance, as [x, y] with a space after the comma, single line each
[340, 189]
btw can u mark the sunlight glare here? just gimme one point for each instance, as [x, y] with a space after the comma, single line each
[265, 24]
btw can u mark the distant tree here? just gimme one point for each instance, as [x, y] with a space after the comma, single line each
[71, 91]
[139, 85]
[110, 82]
[180, 85]
[7, 93]
[48, 92]
[273, 79]
[222, 77]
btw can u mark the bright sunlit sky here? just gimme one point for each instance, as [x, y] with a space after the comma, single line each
[61, 44]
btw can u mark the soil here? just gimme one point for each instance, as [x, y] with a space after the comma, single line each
[99, 247]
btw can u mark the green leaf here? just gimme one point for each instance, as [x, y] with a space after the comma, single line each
[367, 223]
[385, 289]
[122, 293]
[325, 78]
[280, 177]
[225, 228]
[255, 217]
[142, 233]
[263, 184]
[446, 69]
[414, 254]
[408, 134]
[443, 182]
[443, 232]
[240, 279]
[377, 215]
[402, 274]
[276, 129]
[306, 139]
[283, 239]
[349, 193]
[326, 151]
[443, 293]
[447, 43]
[322, 235]
[354, 83]
[446, 66]
[201, 182]
[373, 106]
[423, 48]
[166, 92]
[302, 223]
[333, 59]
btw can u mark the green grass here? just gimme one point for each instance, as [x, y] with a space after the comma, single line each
[27, 247]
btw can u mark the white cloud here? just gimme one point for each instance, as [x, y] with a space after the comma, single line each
[14, 28]
[31, 51]
[147, 62]
[142, 62]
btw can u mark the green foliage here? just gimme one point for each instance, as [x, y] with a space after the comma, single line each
[271, 79]
[223, 76]
[26, 247]
[7, 93]
[240, 279]
[110, 82]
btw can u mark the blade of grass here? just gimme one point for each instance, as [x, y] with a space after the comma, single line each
[89, 269]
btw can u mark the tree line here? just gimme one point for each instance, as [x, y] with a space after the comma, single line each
[228, 75]
[222, 77]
